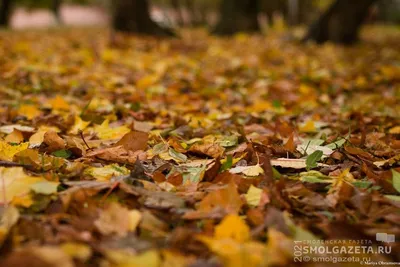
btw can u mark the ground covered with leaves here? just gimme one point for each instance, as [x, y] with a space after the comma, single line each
[200, 151]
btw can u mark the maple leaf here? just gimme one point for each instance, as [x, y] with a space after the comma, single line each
[232, 243]
[233, 227]
[79, 125]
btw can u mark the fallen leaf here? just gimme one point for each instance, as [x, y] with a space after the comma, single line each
[14, 137]
[78, 251]
[233, 227]
[107, 172]
[134, 141]
[8, 151]
[104, 131]
[79, 125]
[396, 180]
[253, 196]
[53, 141]
[58, 103]
[8, 218]
[116, 219]
[17, 184]
[255, 170]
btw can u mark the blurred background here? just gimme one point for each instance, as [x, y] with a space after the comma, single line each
[173, 13]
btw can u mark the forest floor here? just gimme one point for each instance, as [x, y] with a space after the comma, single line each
[199, 151]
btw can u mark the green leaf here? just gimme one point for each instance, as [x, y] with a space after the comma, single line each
[362, 184]
[396, 180]
[159, 148]
[228, 141]
[135, 106]
[393, 197]
[337, 144]
[175, 154]
[63, 153]
[227, 164]
[314, 179]
[276, 174]
[193, 174]
[313, 158]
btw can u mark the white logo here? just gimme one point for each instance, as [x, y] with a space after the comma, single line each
[384, 237]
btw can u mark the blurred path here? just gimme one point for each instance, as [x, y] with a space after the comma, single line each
[71, 15]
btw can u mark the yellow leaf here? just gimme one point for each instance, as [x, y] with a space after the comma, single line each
[78, 251]
[253, 196]
[22, 201]
[58, 103]
[232, 226]
[147, 81]
[16, 183]
[107, 172]
[279, 248]
[104, 131]
[173, 259]
[116, 219]
[8, 217]
[248, 170]
[29, 111]
[395, 130]
[8, 151]
[37, 138]
[305, 89]
[79, 125]
[14, 137]
[150, 258]
[108, 55]
[234, 160]
[134, 218]
[260, 106]
[53, 256]
[308, 127]
[237, 254]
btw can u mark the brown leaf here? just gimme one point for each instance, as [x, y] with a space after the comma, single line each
[117, 154]
[134, 141]
[209, 149]
[53, 141]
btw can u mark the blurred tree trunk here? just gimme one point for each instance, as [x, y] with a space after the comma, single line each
[203, 12]
[306, 9]
[191, 11]
[133, 16]
[341, 22]
[5, 12]
[237, 16]
[56, 8]
[293, 12]
[275, 7]
[178, 12]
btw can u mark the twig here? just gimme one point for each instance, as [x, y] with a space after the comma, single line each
[83, 138]
[12, 164]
